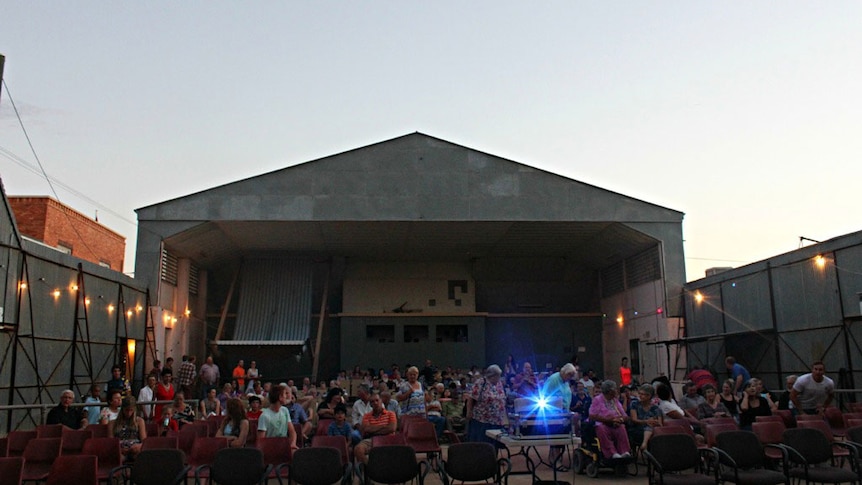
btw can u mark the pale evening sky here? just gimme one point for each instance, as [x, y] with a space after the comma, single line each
[743, 115]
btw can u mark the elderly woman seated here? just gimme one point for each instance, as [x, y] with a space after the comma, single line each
[610, 419]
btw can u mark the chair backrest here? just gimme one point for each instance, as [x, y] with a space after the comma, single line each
[675, 452]
[391, 464]
[42, 450]
[99, 430]
[213, 424]
[772, 417]
[856, 407]
[834, 417]
[821, 425]
[49, 431]
[152, 428]
[811, 443]
[787, 416]
[408, 419]
[316, 466]
[160, 443]
[323, 426]
[712, 431]
[809, 417]
[681, 422]
[204, 450]
[743, 446]
[720, 420]
[769, 432]
[188, 434]
[394, 439]
[73, 440]
[238, 466]
[848, 416]
[663, 430]
[472, 462]
[422, 436]
[80, 470]
[276, 450]
[337, 442]
[854, 433]
[17, 441]
[11, 469]
[853, 422]
[252, 432]
[4, 447]
[159, 466]
[107, 449]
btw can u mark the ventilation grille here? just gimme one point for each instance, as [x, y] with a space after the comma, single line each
[170, 267]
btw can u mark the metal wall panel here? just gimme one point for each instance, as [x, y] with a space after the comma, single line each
[806, 296]
[274, 301]
[705, 318]
[848, 262]
[746, 304]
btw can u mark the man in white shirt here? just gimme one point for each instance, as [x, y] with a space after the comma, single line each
[812, 393]
[146, 395]
[361, 407]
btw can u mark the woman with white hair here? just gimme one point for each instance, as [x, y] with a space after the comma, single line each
[486, 405]
[558, 385]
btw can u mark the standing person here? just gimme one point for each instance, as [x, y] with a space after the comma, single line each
[411, 395]
[129, 428]
[239, 375]
[235, 424]
[253, 375]
[812, 393]
[157, 369]
[65, 414]
[376, 423]
[118, 382]
[186, 375]
[557, 385]
[147, 394]
[164, 390]
[209, 375]
[275, 419]
[738, 373]
[610, 418]
[169, 364]
[486, 405]
[95, 397]
[625, 372]
[752, 405]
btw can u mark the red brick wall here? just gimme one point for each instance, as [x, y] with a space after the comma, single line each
[51, 222]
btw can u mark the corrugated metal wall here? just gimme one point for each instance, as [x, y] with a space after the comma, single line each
[274, 301]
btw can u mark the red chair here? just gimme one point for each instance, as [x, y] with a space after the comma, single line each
[853, 422]
[277, 454]
[17, 441]
[409, 419]
[821, 424]
[4, 445]
[203, 453]
[108, 452]
[662, 430]
[835, 419]
[38, 455]
[721, 420]
[770, 433]
[73, 440]
[252, 432]
[856, 407]
[848, 416]
[11, 470]
[99, 430]
[49, 431]
[394, 439]
[80, 470]
[213, 424]
[422, 437]
[188, 434]
[160, 443]
[152, 428]
[715, 429]
[322, 426]
[787, 416]
[809, 417]
[773, 418]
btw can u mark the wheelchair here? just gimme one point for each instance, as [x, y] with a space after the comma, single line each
[589, 459]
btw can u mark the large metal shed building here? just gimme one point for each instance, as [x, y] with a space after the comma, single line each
[410, 249]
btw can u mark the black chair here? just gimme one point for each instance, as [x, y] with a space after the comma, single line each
[236, 466]
[316, 466]
[161, 466]
[810, 457]
[393, 464]
[668, 456]
[743, 461]
[475, 462]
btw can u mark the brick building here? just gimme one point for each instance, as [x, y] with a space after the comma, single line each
[50, 222]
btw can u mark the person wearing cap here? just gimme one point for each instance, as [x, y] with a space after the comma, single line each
[486, 405]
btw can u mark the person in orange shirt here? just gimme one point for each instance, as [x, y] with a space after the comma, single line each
[625, 372]
[239, 374]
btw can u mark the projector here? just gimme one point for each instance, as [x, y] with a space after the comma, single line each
[539, 418]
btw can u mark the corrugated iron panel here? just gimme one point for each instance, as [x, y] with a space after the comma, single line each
[274, 301]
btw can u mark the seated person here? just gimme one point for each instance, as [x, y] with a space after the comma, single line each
[434, 410]
[712, 406]
[235, 426]
[581, 402]
[690, 400]
[326, 409]
[644, 417]
[340, 427]
[610, 419]
[298, 417]
[376, 423]
[453, 411]
[255, 408]
[129, 428]
[65, 414]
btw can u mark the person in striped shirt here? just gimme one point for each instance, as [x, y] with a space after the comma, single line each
[379, 421]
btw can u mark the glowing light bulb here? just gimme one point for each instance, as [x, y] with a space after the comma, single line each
[56, 293]
[73, 287]
[22, 285]
[698, 297]
[87, 301]
[110, 307]
[129, 314]
[820, 261]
